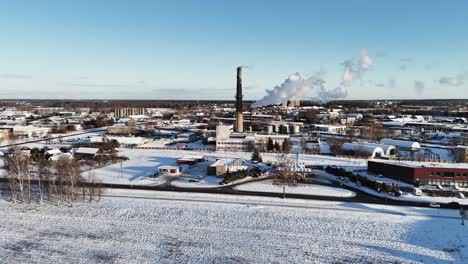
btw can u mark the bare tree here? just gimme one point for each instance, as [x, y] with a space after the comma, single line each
[18, 167]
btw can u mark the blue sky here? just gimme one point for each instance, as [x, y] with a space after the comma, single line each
[190, 49]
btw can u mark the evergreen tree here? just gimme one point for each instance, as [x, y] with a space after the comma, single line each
[286, 146]
[256, 156]
[270, 145]
[277, 146]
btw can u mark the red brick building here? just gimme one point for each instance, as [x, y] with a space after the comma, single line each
[424, 173]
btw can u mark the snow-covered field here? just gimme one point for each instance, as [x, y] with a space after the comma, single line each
[308, 189]
[203, 228]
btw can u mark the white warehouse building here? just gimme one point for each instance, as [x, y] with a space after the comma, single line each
[362, 148]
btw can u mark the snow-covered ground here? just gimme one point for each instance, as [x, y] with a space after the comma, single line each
[135, 171]
[144, 162]
[205, 182]
[203, 228]
[308, 189]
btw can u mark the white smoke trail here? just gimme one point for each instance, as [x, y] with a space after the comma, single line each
[299, 88]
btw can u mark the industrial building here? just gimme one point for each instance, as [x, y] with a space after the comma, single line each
[422, 173]
[402, 144]
[372, 150]
[226, 140]
[133, 111]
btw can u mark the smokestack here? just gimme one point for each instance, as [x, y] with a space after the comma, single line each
[239, 117]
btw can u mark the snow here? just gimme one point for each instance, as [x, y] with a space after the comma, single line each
[307, 189]
[204, 228]
[405, 197]
[135, 171]
[144, 162]
[205, 182]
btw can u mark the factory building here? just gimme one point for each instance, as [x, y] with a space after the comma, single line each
[422, 173]
[226, 140]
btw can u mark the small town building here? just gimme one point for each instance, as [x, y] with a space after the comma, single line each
[221, 166]
[422, 173]
[169, 170]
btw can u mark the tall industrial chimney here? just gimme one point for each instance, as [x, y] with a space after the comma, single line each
[239, 117]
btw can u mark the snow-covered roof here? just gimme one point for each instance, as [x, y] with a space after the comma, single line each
[192, 157]
[53, 151]
[401, 143]
[387, 148]
[61, 156]
[238, 168]
[225, 162]
[417, 164]
[84, 150]
[369, 149]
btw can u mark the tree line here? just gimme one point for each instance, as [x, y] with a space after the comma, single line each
[35, 178]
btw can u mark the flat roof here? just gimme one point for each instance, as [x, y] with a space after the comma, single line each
[417, 164]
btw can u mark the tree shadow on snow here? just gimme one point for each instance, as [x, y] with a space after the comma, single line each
[430, 240]
[359, 206]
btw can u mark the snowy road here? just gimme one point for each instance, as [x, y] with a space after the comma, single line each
[188, 228]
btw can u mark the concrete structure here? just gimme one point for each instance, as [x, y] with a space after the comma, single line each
[239, 116]
[422, 173]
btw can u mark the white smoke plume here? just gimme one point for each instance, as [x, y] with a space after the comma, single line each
[297, 87]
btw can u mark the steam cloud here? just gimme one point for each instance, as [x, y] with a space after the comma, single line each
[297, 87]
[456, 81]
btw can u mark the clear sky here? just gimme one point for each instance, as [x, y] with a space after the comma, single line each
[190, 49]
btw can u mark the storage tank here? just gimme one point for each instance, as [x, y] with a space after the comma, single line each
[295, 129]
[276, 128]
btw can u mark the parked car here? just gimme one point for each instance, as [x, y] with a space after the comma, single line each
[417, 191]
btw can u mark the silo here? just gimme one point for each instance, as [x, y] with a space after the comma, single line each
[295, 129]
[269, 129]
